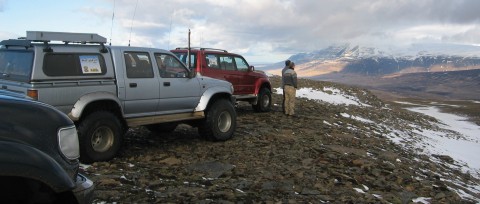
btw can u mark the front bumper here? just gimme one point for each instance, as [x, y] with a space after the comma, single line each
[83, 190]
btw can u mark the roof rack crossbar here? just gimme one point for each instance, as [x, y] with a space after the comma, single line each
[14, 42]
[205, 48]
[202, 48]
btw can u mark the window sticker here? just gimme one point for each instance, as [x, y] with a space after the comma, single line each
[90, 64]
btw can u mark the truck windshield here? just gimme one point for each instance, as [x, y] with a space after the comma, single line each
[16, 65]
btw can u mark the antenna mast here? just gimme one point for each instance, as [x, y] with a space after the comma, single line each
[131, 25]
[188, 52]
[170, 31]
[111, 27]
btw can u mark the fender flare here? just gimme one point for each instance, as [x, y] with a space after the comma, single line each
[261, 82]
[209, 94]
[24, 161]
[86, 99]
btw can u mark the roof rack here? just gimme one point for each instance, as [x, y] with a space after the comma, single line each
[201, 48]
[46, 37]
[42, 36]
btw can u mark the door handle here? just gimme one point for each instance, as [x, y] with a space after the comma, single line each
[133, 85]
[166, 83]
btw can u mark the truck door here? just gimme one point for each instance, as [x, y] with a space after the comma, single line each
[246, 81]
[178, 92]
[141, 86]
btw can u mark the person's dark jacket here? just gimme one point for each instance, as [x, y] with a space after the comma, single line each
[283, 73]
[290, 78]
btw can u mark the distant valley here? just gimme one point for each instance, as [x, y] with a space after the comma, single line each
[452, 85]
[428, 71]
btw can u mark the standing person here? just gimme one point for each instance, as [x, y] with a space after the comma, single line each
[287, 66]
[289, 81]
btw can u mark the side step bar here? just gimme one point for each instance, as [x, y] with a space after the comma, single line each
[133, 122]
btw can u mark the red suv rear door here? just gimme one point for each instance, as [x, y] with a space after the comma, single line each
[220, 67]
[231, 68]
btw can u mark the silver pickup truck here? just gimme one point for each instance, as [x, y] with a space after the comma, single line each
[107, 89]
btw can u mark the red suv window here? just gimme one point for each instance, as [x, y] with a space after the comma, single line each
[226, 63]
[241, 64]
[212, 61]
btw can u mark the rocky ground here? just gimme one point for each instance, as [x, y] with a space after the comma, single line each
[317, 156]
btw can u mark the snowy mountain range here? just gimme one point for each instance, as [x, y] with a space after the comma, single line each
[384, 61]
[377, 61]
[416, 67]
[414, 51]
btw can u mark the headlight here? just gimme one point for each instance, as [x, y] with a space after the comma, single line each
[68, 142]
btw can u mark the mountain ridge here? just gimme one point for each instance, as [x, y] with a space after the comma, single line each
[390, 70]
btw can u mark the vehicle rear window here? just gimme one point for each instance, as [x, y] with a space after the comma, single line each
[16, 64]
[73, 64]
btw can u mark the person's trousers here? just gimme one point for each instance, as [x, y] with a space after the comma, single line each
[290, 93]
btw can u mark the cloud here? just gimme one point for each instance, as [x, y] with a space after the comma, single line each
[469, 35]
[289, 26]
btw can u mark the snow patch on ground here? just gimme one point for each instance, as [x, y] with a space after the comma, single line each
[463, 145]
[455, 136]
[346, 115]
[328, 94]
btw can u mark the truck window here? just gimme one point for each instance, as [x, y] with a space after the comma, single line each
[241, 64]
[16, 64]
[212, 62]
[73, 64]
[226, 63]
[170, 67]
[138, 65]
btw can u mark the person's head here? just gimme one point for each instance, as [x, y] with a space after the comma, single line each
[287, 63]
[292, 65]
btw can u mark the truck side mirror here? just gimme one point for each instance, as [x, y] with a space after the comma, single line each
[251, 68]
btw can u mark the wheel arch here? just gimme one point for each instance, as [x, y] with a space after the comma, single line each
[219, 96]
[88, 102]
[93, 102]
[213, 94]
[259, 85]
[262, 83]
[20, 160]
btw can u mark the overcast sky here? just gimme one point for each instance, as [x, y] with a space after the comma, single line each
[261, 30]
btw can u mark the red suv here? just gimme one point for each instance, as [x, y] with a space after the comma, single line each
[249, 85]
